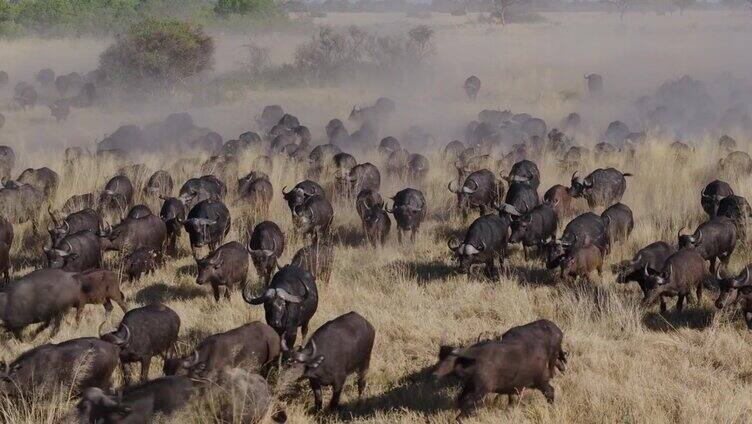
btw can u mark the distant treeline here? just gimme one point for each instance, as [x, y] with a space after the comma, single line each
[107, 17]
[475, 6]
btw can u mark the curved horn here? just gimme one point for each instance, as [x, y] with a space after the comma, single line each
[699, 237]
[268, 294]
[287, 297]
[314, 350]
[679, 233]
[52, 216]
[645, 271]
[468, 190]
[743, 281]
[127, 337]
[67, 227]
[193, 360]
[99, 329]
[718, 276]
[283, 345]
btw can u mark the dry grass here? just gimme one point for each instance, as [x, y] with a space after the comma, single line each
[625, 365]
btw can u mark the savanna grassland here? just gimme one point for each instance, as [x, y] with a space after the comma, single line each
[626, 364]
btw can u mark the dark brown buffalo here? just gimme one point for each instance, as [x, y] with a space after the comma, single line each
[653, 256]
[83, 220]
[143, 333]
[266, 245]
[131, 234]
[117, 195]
[173, 214]
[21, 203]
[227, 266]
[523, 358]
[314, 218]
[256, 192]
[681, 273]
[317, 259]
[78, 252]
[734, 290]
[712, 194]
[485, 241]
[207, 224]
[160, 184]
[78, 364]
[558, 196]
[136, 404]
[471, 87]
[43, 179]
[337, 349]
[290, 301]
[409, 208]
[603, 187]
[619, 222]
[479, 191]
[713, 239]
[249, 346]
[141, 261]
[376, 225]
[581, 262]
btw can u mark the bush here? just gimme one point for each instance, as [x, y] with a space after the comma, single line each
[158, 51]
[6, 12]
[243, 7]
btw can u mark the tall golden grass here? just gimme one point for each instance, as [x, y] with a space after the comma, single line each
[626, 364]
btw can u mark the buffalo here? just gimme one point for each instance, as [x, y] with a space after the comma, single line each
[652, 256]
[143, 333]
[86, 362]
[266, 245]
[337, 349]
[43, 179]
[535, 228]
[173, 214]
[714, 239]
[681, 273]
[735, 289]
[141, 261]
[484, 243]
[525, 171]
[78, 252]
[480, 190]
[471, 87]
[559, 197]
[256, 192]
[196, 190]
[117, 195]
[83, 220]
[289, 302]
[207, 224]
[712, 194]
[159, 184]
[251, 345]
[314, 217]
[409, 208]
[227, 266]
[133, 233]
[603, 187]
[525, 357]
[619, 221]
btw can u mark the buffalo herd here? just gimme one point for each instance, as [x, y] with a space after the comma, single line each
[505, 206]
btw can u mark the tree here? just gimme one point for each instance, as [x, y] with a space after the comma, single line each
[684, 4]
[164, 52]
[621, 7]
[500, 9]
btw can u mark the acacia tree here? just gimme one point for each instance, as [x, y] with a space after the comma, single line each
[621, 7]
[500, 9]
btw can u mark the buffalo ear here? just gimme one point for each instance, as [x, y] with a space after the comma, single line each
[453, 243]
[316, 361]
[445, 351]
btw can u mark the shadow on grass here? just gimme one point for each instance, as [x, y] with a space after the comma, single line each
[348, 236]
[693, 318]
[190, 270]
[416, 392]
[161, 292]
[534, 274]
[424, 272]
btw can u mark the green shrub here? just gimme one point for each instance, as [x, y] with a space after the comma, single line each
[6, 12]
[244, 7]
[158, 51]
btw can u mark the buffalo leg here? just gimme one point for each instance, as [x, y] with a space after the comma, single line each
[712, 265]
[491, 271]
[145, 364]
[399, 236]
[317, 396]
[125, 370]
[699, 293]
[663, 305]
[680, 303]
[339, 384]
[548, 392]
[413, 234]
[748, 319]
[513, 399]
[304, 330]
[215, 290]
[108, 307]
[468, 400]
[227, 292]
[121, 302]
[362, 383]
